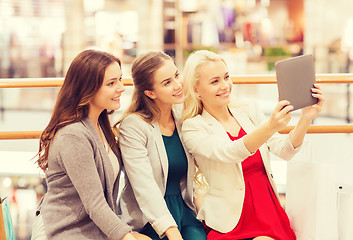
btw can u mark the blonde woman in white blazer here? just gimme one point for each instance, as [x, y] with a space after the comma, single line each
[158, 197]
[231, 146]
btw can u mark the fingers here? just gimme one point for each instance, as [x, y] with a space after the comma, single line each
[319, 97]
[281, 115]
[287, 118]
[316, 89]
[317, 86]
[282, 110]
[287, 109]
[281, 105]
[317, 93]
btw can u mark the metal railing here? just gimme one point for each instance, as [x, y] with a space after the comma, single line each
[239, 79]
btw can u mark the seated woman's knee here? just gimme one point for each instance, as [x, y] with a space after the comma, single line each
[140, 236]
[263, 238]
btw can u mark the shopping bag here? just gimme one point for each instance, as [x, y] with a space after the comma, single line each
[311, 198]
[345, 211]
[2, 225]
[6, 227]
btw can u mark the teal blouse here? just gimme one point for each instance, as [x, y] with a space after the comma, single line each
[178, 163]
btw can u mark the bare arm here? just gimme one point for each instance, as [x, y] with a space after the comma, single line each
[173, 234]
[280, 117]
[135, 236]
[307, 116]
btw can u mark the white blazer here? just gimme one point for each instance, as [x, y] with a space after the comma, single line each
[220, 159]
[146, 165]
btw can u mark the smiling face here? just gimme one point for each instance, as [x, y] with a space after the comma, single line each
[108, 95]
[167, 85]
[214, 85]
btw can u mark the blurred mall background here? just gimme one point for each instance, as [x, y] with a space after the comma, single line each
[39, 38]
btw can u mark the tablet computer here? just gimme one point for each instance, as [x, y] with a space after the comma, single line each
[295, 78]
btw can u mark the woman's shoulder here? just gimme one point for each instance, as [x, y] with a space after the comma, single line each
[78, 131]
[177, 109]
[133, 120]
[71, 129]
[133, 117]
[197, 120]
[77, 128]
[250, 110]
[248, 107]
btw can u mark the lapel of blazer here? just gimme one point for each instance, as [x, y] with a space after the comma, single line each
[243, 119]
[163, 158]
[212, 122]
[239, 115]
[178, 124]
[107, 166]
[219, 130]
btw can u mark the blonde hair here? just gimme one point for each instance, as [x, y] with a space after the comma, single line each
[192, 104]
[142, 72]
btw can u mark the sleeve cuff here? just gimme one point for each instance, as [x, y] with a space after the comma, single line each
[162, 224]
[243, 149]
[289, 146]
[119, 231]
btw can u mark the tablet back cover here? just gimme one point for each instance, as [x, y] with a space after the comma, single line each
[295, 78]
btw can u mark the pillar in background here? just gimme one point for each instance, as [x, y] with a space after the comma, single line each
[150, 25]
[74, 36]
[325, 21]
[296, 14]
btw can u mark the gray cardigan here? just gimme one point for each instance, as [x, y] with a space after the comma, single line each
[146, 165]
[82, 193]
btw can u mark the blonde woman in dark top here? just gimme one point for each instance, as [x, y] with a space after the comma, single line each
[80, 156]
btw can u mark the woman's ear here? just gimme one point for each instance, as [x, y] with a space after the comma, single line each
[196, 92]
[150, 94]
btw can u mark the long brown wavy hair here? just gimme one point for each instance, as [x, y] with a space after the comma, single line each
[142, 72]
[82, 81]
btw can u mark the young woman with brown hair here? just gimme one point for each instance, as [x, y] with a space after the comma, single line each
[80, 156]
[158, 197]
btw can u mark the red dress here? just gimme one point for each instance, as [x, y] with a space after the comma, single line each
[262, 214]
